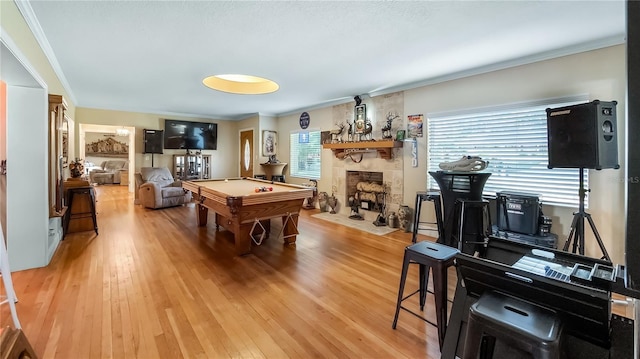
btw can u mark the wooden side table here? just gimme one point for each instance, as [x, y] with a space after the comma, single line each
[124, 178]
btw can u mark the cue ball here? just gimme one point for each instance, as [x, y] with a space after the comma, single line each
[226, 180]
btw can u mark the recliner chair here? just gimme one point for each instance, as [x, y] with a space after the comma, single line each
[156, 188]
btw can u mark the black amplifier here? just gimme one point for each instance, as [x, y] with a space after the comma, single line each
[518, 212]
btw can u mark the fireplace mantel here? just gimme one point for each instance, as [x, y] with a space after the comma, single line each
[383, 147]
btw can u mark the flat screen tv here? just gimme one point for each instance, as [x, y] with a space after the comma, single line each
[190, 135]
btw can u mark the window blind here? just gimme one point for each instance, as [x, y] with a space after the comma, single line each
[305, 150]
[514, 141]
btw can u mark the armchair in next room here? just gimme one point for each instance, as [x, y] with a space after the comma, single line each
[109, 172]
[156, 188]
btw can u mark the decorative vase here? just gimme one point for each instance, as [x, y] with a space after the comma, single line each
[404, 217]
[392, 220]
[322, 201]
[333, 203]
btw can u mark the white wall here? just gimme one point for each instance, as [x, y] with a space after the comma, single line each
[27, 187]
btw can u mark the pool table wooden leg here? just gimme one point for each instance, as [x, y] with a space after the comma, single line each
[290, 228]
[242, 238]
[201, 218]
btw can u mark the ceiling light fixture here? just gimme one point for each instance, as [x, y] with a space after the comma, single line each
[241, 84]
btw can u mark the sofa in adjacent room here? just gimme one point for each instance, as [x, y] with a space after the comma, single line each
[109, 172]
[156, 188]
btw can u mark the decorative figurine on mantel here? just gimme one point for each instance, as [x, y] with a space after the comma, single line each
[336, 135]
[386, 130]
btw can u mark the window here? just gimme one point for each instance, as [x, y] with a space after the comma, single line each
[514, 141]
[305, 156]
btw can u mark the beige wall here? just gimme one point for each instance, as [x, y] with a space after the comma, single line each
[600, 74]
[224, 161]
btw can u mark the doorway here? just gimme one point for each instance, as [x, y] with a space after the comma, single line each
[246, 153]
[125, 134]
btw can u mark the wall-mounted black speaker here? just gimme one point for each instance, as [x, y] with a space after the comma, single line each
[153, 140]
[583, 136]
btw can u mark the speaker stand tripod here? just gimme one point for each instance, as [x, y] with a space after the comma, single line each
[577, 225]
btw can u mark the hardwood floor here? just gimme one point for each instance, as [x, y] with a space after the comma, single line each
[153, 285]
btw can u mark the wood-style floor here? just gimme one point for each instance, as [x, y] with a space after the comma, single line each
[154, 285]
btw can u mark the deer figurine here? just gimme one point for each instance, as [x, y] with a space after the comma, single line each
[386, 130]
[336, 135]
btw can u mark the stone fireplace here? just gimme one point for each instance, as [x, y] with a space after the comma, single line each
[389, 169]
[367, 188]
[388, 173]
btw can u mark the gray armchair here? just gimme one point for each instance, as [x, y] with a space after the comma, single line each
[156, 188]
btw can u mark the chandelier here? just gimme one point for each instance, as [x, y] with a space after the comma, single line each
[122, 132]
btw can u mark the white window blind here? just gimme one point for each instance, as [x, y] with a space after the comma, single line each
[305, 154]
[514, 141]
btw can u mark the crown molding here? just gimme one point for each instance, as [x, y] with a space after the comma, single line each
[21, 59]
[34, 25]
[526, 60]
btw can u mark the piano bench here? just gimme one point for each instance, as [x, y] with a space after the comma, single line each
[516, 324]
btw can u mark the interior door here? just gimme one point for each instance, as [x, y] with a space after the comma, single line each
[246, 153]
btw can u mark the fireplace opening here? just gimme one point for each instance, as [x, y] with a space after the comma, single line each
[366, 189]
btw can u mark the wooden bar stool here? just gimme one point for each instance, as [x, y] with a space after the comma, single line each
[433, 196]
[434, 258]
[71, 193]
[517, 324]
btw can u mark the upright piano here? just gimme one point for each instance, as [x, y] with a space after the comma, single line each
[576, 287]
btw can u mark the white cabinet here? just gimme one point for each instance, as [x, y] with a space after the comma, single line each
[188, 167]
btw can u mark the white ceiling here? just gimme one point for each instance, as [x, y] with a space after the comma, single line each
[150, 56]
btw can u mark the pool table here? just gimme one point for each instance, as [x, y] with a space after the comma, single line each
[238, 206]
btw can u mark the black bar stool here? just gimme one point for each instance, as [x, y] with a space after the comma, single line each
[277, 178]
[516, 324]
[436, 258]
[262, 177]
[433, 196]
[474, 224]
